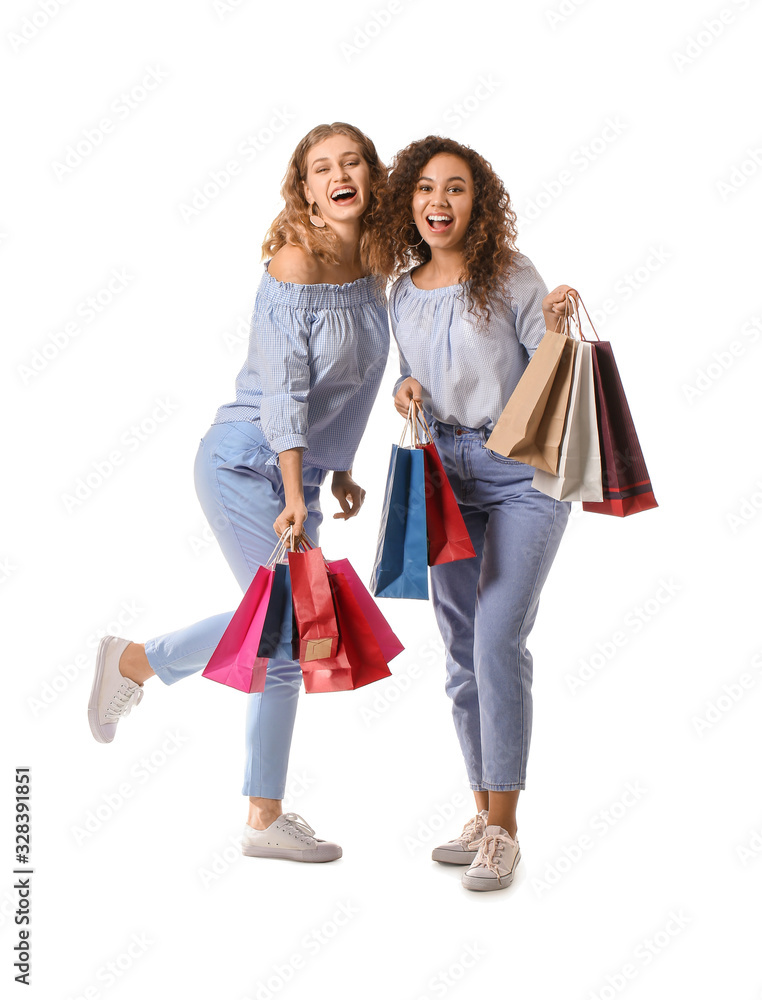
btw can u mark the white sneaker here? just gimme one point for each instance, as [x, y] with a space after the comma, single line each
[495, 861]
[112, 695]
[290, 837]
[459, 851]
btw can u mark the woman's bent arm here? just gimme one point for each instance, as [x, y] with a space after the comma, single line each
[295, 511]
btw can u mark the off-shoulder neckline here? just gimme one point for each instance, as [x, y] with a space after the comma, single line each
[317, 284]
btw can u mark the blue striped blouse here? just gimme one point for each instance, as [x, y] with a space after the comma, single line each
[467, 374]
[316, 357]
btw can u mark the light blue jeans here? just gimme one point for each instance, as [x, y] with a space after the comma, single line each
[486, 607]
[241, 497]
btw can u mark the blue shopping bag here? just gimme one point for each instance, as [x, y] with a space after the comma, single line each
[278, 627]
[401, 566]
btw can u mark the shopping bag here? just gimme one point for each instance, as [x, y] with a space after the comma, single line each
[523, 431]
[579, 464]
[313, 604]
[236, 660]
[448, 538]
[550, 431]
[277, 626]
[627, 487]
[359, 659]
[400, 568]
[379, 626]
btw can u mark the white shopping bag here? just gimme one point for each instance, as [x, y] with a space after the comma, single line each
[579, 464]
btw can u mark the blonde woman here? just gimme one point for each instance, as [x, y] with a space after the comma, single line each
[318, 347]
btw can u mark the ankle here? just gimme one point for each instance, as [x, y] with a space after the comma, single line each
[134, 664]
[264, 813]
[510, 828]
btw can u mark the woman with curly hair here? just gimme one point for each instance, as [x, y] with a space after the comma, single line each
[467, 313]
[318, 346]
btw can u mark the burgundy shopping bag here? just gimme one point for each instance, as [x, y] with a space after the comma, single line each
[313, 605]
[235, 660]
[359, 659]
[446, 530]
[626, 485]
[387, 640]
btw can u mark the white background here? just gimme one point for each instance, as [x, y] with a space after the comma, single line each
[666, 204]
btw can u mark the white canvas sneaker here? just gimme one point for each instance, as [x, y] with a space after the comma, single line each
[289, 837]
[112, 695]
[459, 851]
[495, 861]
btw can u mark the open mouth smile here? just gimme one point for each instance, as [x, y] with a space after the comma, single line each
[439, 223]
[344, 195]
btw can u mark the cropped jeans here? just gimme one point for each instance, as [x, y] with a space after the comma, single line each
[485, 607]
[241, 497]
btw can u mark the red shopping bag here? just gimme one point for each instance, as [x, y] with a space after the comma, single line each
[235, 661]
[359, 659]
[626, 485]
[445, 528]
[313, 605]
[387, 640]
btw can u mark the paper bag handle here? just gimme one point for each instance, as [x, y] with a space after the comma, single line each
[576, 301]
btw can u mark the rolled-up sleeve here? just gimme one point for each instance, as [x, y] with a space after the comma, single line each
[282, 346]
[528, 292]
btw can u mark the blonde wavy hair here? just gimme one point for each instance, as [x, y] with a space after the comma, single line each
[293, 226]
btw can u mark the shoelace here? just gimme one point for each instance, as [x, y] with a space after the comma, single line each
[472, 831]
[122, 700]
[299, 823]
[490, 852]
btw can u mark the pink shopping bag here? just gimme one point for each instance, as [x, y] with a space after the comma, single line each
[234, 662]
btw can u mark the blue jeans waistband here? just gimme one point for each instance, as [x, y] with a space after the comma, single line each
[440, 427]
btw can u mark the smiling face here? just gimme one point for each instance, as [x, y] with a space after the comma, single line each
[338, 179]
[442, 201]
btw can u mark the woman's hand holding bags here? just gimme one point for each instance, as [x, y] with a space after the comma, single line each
[573, 424]
[340, 636]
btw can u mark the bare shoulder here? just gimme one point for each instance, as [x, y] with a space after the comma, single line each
[292, 263]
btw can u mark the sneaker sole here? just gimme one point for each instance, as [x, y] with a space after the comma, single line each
[447, 857]
[487, 884]
[92, 706]
[316, 854]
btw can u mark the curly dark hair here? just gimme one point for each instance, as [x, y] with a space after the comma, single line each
[490, 246]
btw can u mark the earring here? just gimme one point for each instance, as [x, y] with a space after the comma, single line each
[316, 220]
[412, 246]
